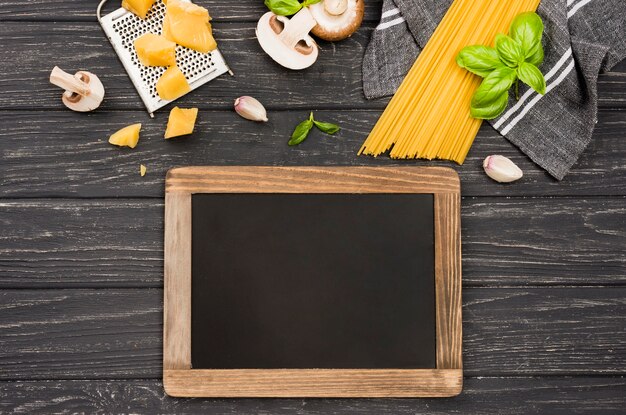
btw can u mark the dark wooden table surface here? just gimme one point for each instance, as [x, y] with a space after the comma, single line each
[81, 233]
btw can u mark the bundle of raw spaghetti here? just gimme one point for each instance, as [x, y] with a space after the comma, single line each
[429, 116]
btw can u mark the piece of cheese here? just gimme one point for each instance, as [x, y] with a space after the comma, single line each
[155, 50]
[172, 84]
[142, 170]
[166, 32]
[127, 136]
[188, 25]
[138, 7]
[181, 122]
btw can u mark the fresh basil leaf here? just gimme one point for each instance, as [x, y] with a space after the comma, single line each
[509, 50]
[283, 7]
[327, 127]
[499, 81]
[537, 57]
[516, 57]
[491, 110]
[310, 2]
[478, 59]
[532, 76]
[527, 30]
[301, 132]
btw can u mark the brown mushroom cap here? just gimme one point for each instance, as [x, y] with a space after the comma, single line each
[333, 28]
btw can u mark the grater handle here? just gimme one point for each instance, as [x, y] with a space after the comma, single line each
[99, 9]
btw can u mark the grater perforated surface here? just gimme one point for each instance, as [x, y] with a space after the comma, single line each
[123, 28]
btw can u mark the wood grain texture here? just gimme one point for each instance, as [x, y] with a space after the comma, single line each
[322, 179]
[256, 74]
[177, 285]
[51, 10]
[110, 333]
[314, 383]
[63, 334]
[36, 47]
[119, 243]
[549, 235]
[448, 280]
[65, 154]
[484, 395]
[117, 333]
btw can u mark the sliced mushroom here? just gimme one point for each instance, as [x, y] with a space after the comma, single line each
[337, 19]
[83, 91]
[287, 41]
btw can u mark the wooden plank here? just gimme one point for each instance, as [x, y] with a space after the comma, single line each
[104, 334]
[118, 243]
[611, 87]
[36, 47]
[488, 396]
[335, 81]
[177, 275]
[80, 334]
[314, 383]
[519, 240]
[72, 11]
[448, 280]
[51, 154]
[352, 179]
[95, 243]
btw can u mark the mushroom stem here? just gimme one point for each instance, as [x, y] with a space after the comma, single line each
[69, 82]
[335, 7]
[297, 28]
[286, 40]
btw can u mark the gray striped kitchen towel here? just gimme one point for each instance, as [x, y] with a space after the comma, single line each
[581, 39]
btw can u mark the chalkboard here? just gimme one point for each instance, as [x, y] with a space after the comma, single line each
[312, 281]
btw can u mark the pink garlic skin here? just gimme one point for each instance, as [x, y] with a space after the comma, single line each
[250, 109]
[501, 169]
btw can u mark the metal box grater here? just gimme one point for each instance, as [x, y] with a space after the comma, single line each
[123, 27]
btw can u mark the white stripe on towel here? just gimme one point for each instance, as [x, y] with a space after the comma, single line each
[574, 9]
[390, 13]
[388, 24]
[566, 56]
[532, 103]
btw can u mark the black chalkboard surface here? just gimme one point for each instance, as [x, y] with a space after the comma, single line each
[312, 281]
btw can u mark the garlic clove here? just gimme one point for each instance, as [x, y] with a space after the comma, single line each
[501, 169]
[250, 109]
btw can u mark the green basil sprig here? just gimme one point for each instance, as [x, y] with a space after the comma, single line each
[303, 129]
[514, 58]
[301, 132]
[288, 7]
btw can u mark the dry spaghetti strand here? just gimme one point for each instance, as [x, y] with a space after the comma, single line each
[429, 115]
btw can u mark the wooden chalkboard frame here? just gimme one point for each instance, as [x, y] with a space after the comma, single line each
[181, 380]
